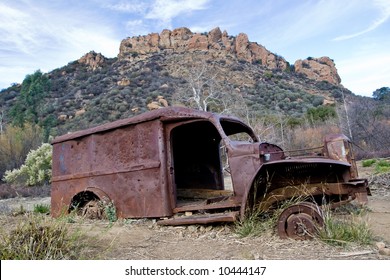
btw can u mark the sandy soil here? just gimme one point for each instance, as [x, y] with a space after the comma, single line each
[144, 239]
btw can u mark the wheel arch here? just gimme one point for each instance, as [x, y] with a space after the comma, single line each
[85, 196]
[248, 198]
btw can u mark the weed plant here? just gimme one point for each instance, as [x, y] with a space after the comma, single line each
[39, 238]
[338, 230]
[380, 165]
[368, 162]
[345, 230]
[110, 212]
[42, 208]
[256, 224]
[261, 221]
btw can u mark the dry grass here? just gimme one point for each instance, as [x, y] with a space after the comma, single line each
[39, 237]
[8, 191]
[344, 230]
[342, 227]
[262, 221]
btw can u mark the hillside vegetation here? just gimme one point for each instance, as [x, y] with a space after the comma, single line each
[284, 103]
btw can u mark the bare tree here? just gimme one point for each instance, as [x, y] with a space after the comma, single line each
[347, 118]
[207, 89]
[370, 126]
[201, 88]
[2, 122]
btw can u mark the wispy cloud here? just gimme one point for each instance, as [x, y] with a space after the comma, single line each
[383, 6]
[38, 27]
[126, 6]
[17, 30]
[36, 36]
[301, 21]
[153, 15]
[166, 10]
[137, 27]
[49, 34]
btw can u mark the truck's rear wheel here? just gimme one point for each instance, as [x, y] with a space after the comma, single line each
[93, 210]
[300, 221]
[89, 205]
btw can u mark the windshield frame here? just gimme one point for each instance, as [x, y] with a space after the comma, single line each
[234, 129]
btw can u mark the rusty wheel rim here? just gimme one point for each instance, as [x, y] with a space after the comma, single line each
[92, 210]
[300, 221]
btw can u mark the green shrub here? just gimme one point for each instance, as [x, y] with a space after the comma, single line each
[368, 162]
[110, 212]
[382, 166]
[320, 114]
[15, 143]
[42, 208]
[35, 171]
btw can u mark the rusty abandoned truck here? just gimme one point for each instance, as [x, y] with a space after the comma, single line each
[171, 164]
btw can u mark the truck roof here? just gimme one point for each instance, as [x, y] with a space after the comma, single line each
[166, 114]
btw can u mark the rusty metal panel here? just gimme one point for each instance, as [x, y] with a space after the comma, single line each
[243, 166]
[122, 150]
[124, 163]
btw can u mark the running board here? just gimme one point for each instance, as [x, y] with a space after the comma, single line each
[201, 219]
[209, 204]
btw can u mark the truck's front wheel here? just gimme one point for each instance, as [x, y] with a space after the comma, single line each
[300, 221]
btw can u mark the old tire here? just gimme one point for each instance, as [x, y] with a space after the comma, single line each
[300, 221]
[93, 210]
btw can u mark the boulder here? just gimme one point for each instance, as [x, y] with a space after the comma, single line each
[319, 69]
[93, 60]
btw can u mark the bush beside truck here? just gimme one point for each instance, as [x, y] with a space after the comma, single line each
[36, 169]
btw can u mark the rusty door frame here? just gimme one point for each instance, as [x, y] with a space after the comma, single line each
[170, 169]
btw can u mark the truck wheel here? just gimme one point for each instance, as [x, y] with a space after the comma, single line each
[300, 221]
[89, 204]
[93, 210]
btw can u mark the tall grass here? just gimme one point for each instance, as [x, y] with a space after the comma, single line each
[40, 238]
[338, 230]
[261, 221]
[346, 230]
[256, 224]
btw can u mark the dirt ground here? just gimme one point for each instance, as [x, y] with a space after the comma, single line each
[144, 239]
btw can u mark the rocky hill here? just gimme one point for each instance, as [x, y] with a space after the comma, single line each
[151, 69]
[220, 45]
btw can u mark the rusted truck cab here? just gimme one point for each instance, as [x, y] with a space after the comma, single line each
[185, 166]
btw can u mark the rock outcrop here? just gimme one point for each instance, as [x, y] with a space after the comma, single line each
[93, 60]
[123, 82]
[319, 69]
[160, 103]
[220, 44]
[183, 40]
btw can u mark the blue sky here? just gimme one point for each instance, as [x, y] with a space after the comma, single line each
[39, 34]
